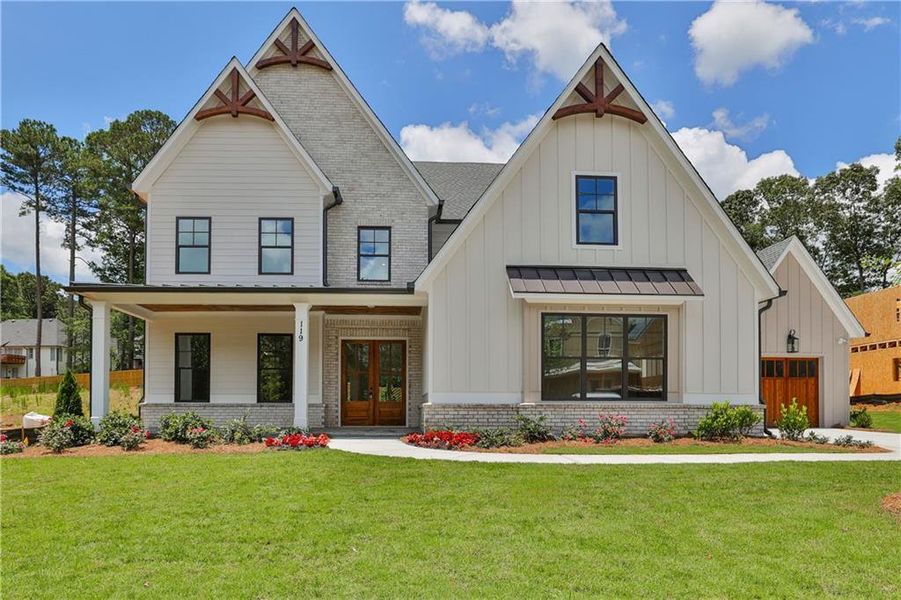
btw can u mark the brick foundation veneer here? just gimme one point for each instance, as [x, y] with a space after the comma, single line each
[560, 414]
[281, 415]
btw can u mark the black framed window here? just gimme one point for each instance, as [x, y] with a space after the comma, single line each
[192, 245]
[275, 367]
[596, 218]
[192, 367]
[603, 357]
[276, 246]
[374, 254]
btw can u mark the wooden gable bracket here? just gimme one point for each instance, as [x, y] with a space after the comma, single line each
[599, 104]
[293, 55]
[235, 105]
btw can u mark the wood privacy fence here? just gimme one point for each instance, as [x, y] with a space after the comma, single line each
[130, 378]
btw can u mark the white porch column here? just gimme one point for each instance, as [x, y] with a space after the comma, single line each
[100, 362]
[301, 362]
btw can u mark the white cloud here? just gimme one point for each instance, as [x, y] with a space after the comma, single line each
[448, 31]
[871, 22]
[484, 109]
[733, 37]
[17, 244]
[726, 167]
[664, 109]
[838, 27]
[885, 163]
[744, 131]
[448, 142]
[556, 37]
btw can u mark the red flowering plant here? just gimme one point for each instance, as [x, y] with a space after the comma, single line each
[201, 437]
[578, 432]
[444, 439]
[133, 438]
[610, 429]
[297, 441]
[8, 446]
[662, 431]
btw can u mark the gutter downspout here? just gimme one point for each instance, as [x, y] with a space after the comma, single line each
[338, 200]
[767, 305]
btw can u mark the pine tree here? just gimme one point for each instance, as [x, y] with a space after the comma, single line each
[68, 398]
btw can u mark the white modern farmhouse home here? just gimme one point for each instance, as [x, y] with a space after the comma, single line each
[302, 269]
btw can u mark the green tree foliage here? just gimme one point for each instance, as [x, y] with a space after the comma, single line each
[121, 152]
[68, 398]
[12, 305]
[30, 157]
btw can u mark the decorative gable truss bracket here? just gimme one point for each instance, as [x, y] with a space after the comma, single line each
[598, 103]
[236, 104]
[294, 55]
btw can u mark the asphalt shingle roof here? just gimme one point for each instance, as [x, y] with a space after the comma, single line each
[23, 332]
[769, 255]
[458, 184]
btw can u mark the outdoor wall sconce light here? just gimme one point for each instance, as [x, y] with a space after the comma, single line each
[792, 341]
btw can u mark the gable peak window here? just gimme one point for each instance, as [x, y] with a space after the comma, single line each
[374, 254]
[192, 245]
[276, 246]
[596, 210]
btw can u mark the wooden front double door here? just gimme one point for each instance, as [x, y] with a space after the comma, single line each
[373, 382]
[782, 379]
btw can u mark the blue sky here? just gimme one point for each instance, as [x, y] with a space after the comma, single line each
[795, 87]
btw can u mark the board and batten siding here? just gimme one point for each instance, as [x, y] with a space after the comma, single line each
[476, 328]
[233, 354]
[804, 310]
[235, 171]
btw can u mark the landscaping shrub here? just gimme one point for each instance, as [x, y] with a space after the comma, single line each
[572, 433]
[725, 422]
[297, 441]
[66, 431]
[8, 446]
[792, 421]
[201, 437]
[848, 441]
[238, 431]
[610, 429]
[815, 439]
[114, 426]
[662, 431]
[133, 438]
[861, 418]
[498, 438]
[174, 427]
[68, 398]
[442, 440]
[533, 430]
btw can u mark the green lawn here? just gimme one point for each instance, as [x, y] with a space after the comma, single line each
[887, 420]
[330, 524]
[723, 448]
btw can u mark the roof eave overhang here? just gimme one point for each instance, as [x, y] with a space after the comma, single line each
[605, 299]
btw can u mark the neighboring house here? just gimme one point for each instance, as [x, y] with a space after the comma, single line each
[876, 359]
[300, 267]
[804, 339]
[18, 348]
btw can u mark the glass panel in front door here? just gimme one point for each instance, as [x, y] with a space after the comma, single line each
[391, 364]
[357, 384]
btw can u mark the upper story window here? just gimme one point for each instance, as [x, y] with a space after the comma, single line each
[277, 246]
[596, 218]
[192, 246]
[374, 254]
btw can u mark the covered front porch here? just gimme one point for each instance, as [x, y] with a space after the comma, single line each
[319, 359]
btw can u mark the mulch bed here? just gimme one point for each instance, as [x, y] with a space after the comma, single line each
[644, 443]
[155, 446]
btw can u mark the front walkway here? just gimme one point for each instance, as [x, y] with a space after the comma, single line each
[396, 448]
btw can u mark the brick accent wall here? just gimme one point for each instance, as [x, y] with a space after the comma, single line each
[315, 416]
[376, 189]
[281, 415]
[337, 328]
[559, 415]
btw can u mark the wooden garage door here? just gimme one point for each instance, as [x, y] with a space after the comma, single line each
[785, 378]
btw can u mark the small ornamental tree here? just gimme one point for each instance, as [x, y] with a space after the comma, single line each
[68, 398]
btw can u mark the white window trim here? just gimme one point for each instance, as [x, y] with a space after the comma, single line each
[573, 203]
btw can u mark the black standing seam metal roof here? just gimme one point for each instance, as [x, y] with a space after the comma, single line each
[635, 281]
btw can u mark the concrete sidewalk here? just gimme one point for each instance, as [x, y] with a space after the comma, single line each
[398, 449]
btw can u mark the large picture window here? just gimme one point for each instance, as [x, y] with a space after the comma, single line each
[603, 357]
[192, 245]
[276, 246]
[374, 254]
[596, 210]
[275, 367]
[192, 367]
